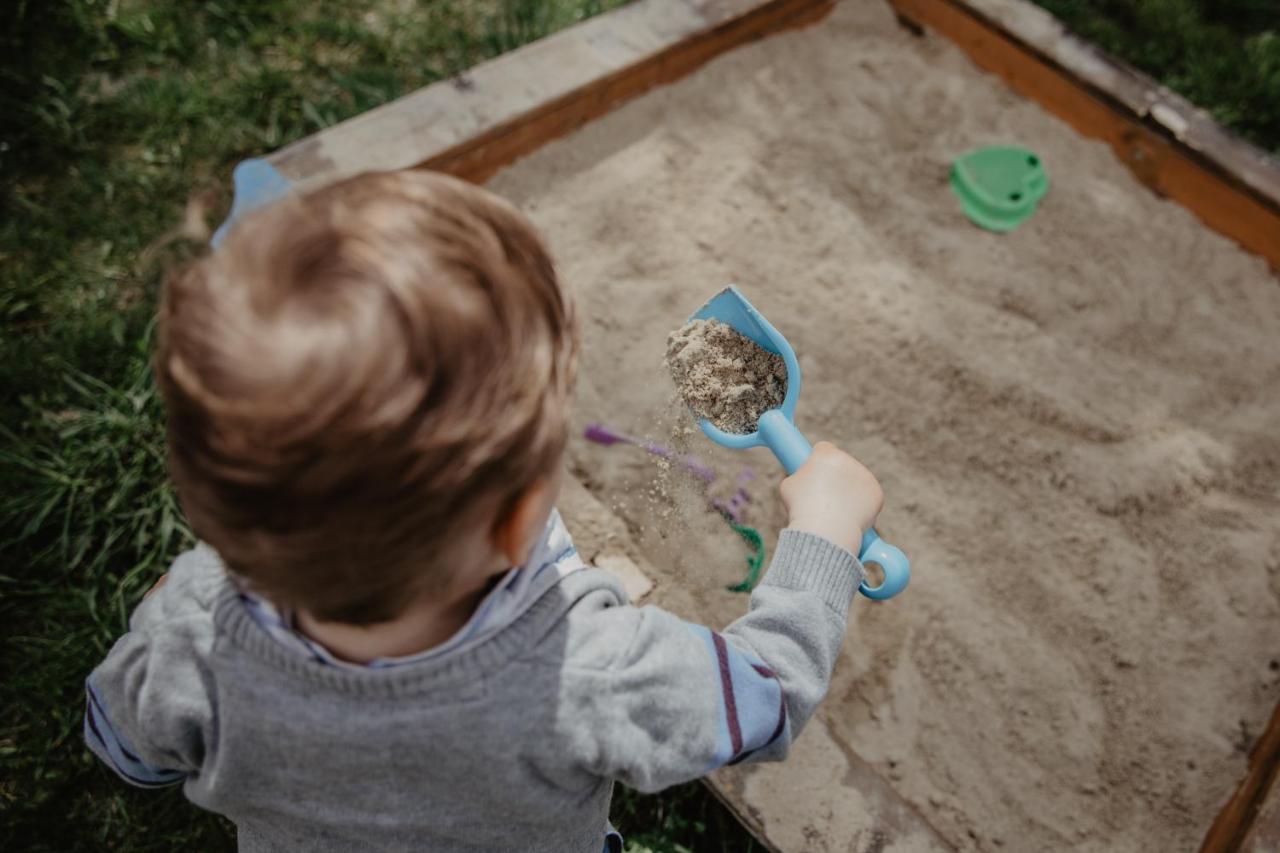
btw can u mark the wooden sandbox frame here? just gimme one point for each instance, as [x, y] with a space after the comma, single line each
[473, 125]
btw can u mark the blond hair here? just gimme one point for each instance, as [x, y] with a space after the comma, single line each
[357, 378]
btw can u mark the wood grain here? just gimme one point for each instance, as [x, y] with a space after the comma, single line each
[500, 110]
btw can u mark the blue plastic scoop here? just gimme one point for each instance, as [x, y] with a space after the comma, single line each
[777, 429]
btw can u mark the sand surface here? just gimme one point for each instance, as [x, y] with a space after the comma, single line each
[1077, 424]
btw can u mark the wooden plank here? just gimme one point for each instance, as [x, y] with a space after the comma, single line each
[503, 109]
[1232, 187]
[1236, 827]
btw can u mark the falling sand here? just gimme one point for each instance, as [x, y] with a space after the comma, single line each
[724, 376]
[1075, 422]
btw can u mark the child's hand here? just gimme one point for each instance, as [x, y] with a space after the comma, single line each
[834, 496]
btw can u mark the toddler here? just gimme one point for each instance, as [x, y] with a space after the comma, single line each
[386, 639]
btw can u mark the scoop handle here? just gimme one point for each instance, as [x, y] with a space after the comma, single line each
[792, 450]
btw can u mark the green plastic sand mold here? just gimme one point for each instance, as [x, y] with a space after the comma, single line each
[999, 186]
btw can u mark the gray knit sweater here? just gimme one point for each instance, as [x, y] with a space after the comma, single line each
[513, 744]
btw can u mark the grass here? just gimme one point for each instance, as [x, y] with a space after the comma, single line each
[119, 121]
[1223, 55]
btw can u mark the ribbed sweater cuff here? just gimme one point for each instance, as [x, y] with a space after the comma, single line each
[805, 561]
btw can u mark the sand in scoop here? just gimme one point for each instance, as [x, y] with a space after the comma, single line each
[724, 376]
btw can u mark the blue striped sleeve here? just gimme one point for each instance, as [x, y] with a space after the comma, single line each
[753, 707]
[106, 743]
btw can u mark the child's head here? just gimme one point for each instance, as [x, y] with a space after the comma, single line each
[362, 383]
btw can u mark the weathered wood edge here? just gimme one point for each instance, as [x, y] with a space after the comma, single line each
[475, 124]
[1169, 145]
[1236, 820]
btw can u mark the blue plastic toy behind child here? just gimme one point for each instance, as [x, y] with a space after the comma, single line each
[256, 183]
[778, 431]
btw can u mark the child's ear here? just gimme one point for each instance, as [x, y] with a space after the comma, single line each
[516, 532]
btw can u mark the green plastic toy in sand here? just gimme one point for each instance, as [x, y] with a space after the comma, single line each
[999, 186]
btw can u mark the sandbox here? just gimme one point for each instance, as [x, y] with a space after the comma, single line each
[1076, 425]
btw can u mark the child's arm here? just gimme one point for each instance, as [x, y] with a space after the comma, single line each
[671, 701]
[147, 708]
